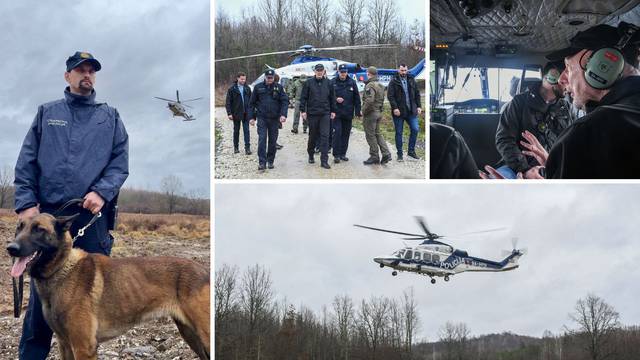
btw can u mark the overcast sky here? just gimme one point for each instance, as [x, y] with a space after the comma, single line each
[581, 239]
[147, 48]
[408, 9]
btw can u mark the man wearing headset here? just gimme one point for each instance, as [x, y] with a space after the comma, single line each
[542, 111]
[603, 79]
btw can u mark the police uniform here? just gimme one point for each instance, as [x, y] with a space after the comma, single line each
[74, 146]
[268, 103]
[346, 89]
[296, 92]
[318, 102]
[372, 101]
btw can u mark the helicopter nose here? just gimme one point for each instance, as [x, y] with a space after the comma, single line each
[379, 260]
[13, 249]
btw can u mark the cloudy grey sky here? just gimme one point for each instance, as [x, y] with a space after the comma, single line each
[581, 239]
[408, 9]
[147, 48]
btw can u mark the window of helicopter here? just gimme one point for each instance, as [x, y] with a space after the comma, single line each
[408, 254]
[426, 257]
[416, 256]
[399, 253]
[435, 258]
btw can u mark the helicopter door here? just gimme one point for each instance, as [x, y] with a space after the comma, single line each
[408, 255]
[426, 257]
[435, 258]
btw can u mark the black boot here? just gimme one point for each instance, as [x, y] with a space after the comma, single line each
[371, 161]
[236, 150]
[311, 160]
[325, 165]
[344, 158]
[278, 146]
[413, 155]
[270, 165]
[261, 167]
[400, 157]
[336, 160]
[247, 151]
[385, 159]
[294, 131]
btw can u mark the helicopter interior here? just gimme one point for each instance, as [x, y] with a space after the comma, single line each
[485, 52]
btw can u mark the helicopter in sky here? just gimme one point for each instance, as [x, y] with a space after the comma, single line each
[434, 258]
[305, 60]
[177, 107]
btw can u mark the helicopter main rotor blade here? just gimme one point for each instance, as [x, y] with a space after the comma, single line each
[480, 232]
[389, 231]
[416, 238]
[164, 99]
[423, 224]
[356, 47]
[184, 101]
[258, 55]
[185, 105]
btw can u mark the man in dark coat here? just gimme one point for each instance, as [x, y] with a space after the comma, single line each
[347, 105]
[404, 98]
[237, 105]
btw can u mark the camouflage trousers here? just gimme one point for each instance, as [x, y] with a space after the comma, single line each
[377, 144]
[296, 118]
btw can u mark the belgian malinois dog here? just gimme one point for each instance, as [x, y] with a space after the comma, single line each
[91, 298]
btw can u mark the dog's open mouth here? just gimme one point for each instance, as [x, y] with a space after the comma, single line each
[21, 265]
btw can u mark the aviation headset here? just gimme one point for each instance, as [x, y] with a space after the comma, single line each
[551, 79]
[605, 65]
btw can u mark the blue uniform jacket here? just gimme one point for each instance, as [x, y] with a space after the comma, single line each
[65, 156]
[268, 101]
[348, 90]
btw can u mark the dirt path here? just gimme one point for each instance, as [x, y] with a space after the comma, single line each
[158, 339]
[291, 161]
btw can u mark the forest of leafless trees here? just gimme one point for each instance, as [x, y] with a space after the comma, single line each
[253, 322]
[275, 25]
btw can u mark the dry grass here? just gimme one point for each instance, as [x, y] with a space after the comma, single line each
[161, 225]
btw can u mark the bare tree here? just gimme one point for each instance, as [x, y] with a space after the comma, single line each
[256, 299]
[597, 321]
[275, 13]
[352, 15]
[344, 317]
[373, 316]
[317, 18]
[382, 16]
[455, 340]
[6, 184]
[411, 321]
[226, 299]
[171, 186]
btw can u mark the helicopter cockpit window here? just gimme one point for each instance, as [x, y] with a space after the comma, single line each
[426, 257]
[399, 253]
[408, 254]
[435, 258]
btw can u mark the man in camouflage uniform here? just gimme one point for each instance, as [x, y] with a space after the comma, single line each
[295, 90]
[372, 101]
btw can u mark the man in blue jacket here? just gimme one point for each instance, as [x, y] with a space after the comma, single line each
[75, 148]
[269, 104]
[347, 104]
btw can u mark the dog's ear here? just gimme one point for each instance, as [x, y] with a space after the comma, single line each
[63, 223]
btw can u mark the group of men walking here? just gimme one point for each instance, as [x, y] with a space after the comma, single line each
[327, 108]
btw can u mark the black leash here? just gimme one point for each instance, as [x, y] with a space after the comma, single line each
[18, 283]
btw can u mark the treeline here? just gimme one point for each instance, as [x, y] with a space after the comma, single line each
[171, 200]
[276, 25]
[252, 324]
[596, 334]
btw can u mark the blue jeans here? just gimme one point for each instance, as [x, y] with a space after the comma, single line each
[507, 172]
[35, 342]
[267, 137]
[398, 123]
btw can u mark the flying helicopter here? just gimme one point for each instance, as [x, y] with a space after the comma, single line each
[177, 107]
[434, 258]
[305, 60]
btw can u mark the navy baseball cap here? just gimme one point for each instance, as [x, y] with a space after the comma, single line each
[594, 38]
[342, 68]
[319, 67]
[80, 57]
[269, 72]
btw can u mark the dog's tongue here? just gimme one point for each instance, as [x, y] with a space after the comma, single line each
[19, 266]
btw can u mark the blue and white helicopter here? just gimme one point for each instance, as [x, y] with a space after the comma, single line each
[305, 61]
[433, 258]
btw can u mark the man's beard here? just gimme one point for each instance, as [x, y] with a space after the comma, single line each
[85, 86]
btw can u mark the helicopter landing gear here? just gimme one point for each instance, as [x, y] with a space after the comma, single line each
[446, 278]
[394, 273]
[433, 281]
[381, 265]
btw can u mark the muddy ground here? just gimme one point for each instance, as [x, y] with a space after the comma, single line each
[291, 161]
[138, 235]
